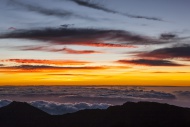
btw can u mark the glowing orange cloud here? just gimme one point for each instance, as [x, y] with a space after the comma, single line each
[54, 62]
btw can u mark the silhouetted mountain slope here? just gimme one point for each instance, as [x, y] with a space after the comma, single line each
[142, 114]
[19, 114]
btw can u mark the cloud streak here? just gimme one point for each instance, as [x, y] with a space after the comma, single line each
[46, 62]
[67, 74]
[33, 67]
[165, 72]
[45, 68]
[63, 50]
[149, 62]
[87, 3]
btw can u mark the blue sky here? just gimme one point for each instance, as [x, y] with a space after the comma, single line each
[173, 12]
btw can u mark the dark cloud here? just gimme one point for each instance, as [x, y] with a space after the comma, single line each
[149, 62]
[54, 67]
[182, 52]
[87, 3]
[45, 11]
[168, 36]
[1, 65]
[85, 36]
[172, 37]
[67, 25]
[33, 67]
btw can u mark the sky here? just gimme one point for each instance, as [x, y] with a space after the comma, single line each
[95, 42]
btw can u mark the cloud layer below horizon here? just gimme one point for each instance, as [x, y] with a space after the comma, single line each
[61, 100]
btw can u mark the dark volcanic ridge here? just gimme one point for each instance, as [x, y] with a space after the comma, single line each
[130, 114]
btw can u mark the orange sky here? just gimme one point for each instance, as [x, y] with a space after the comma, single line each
[54, 72]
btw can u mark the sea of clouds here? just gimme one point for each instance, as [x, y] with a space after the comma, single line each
[101, 92]
[58, 100]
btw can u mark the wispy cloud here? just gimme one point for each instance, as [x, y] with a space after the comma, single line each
[36, 65]
[68, 74]
[33, 48]
[63, 50]
[71, 51]
[165, 72]
[144, 17]
[149, 62]
[85, 36]
[87, 3]
[45, 11]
